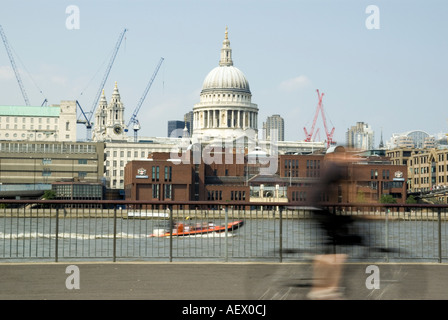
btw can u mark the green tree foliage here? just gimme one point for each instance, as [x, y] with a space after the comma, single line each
[387, 198]
[411, 200]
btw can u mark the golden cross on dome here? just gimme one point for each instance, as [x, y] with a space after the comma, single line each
[227, 34]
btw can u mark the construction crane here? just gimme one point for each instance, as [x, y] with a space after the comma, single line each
[133, 120]
[87, 118]
[320, 108]
[14, 67]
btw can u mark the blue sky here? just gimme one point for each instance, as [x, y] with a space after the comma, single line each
[393, 78]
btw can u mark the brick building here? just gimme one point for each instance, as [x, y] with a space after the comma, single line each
[233, 176]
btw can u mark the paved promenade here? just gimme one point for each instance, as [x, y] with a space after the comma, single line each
[207, 281]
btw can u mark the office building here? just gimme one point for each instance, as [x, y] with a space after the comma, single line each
[175, 128]
[39, 123]
[360, 136]
[274, 125]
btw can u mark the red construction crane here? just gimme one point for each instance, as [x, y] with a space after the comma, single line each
[309, 136]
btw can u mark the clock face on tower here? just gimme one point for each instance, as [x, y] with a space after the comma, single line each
[118, 129]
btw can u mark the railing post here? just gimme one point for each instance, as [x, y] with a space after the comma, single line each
[386, 240]
[226, 243]
[280, 245]
[171, 235]
[115, 235]
[56, 243]
[439, 218]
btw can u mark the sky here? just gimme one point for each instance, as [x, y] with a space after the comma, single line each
[387, 67]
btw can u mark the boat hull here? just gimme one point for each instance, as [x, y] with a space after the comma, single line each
[232, 226]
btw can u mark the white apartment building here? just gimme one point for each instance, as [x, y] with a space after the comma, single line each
[360, 136]
[38, 123]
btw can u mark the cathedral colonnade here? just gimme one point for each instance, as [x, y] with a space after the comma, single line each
[219, 118]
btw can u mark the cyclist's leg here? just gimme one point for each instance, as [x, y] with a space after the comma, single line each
[327, 273]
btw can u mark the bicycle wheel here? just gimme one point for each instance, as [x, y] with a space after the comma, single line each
[280, 281]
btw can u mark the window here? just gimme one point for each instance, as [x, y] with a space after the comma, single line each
[167, 191]
[82, 161]
[155, 191]
[67, 125]
[168, 173]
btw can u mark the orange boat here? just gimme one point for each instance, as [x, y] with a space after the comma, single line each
[182, 230]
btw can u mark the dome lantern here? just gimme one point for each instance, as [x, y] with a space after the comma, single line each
[226, 52]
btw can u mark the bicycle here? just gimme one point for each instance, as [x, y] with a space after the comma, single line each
[366, 274]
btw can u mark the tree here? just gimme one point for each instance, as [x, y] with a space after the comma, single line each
[49, 195]
[411, 200]
[360, 197]
[387, 198]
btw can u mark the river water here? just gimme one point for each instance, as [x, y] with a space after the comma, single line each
[34, 239]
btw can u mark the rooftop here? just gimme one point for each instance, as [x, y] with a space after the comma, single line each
[30, 111]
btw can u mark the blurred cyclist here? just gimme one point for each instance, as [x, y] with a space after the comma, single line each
[328, 267]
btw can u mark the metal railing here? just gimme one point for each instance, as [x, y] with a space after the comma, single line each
[119, 230]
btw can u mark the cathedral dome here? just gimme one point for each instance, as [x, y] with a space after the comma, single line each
[225, 78]
[225, 109]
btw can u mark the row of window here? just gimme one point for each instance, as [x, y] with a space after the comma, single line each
[46, 172]
[47, 147]
[294, 164]
[128, 153]
[298, 195]
[291, 163]
[47, 161]
[238, 195]
[168, 173]
[114, 173]
[234, 195]
[78, 191]
[167, 191]
[309, 173]
[422, 180]
[31, 127]
[31, 119]
[374, 174]
[214, 195]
